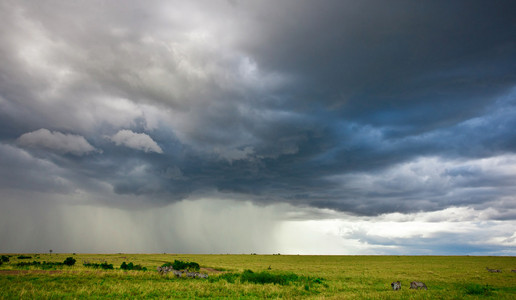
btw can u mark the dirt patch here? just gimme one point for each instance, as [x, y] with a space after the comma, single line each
[211, 270]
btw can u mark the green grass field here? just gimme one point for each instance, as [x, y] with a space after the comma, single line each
[338, 277]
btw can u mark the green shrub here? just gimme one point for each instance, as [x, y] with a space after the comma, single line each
[69, 261]
[24, 257]
[26, 264]
[44, 265]
[5, 258]
[104, 266]
[183, 265]
[266, 277]
[131, 266]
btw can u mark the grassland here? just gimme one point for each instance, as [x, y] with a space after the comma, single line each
[328, 277]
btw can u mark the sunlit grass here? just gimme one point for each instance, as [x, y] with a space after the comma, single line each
[341, 277]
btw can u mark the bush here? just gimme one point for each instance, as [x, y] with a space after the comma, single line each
[69, 261]
[26, 264]
[183, 265]
[266, 277]
[43, 265]
[24, 257]
[131, 266]
[104, 266]
[5, 258]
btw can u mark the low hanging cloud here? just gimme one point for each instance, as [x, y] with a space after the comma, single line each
[56, 141]
[138, 141]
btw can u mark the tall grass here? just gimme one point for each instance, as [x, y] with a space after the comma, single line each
[290, 276]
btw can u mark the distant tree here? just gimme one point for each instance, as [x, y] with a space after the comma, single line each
[50, 251]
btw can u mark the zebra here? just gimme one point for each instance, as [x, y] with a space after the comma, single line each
[493, 270]
[418, 285]
[200, 275]
[396, 285]
[177, 273]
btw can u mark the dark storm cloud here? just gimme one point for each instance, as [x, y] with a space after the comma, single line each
[392, 63]
[315, 104]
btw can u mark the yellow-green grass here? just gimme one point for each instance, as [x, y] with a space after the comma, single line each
[344, 277]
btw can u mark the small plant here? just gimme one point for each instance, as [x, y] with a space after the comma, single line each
[5, 258]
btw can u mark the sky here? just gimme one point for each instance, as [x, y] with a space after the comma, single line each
[228, 126]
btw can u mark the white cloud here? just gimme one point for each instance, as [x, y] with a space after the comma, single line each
[440, 232]
[138, 141]
[56, 141]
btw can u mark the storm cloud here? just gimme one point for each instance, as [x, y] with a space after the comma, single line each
[335, 109]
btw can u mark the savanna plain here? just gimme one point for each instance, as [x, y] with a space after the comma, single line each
[252, 276]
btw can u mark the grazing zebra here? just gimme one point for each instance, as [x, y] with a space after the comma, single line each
[200, 275]
[177, 273]
[493, 270]
[396, 285]
[418, 285]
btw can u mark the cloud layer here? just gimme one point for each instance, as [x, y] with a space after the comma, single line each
[363, 108]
